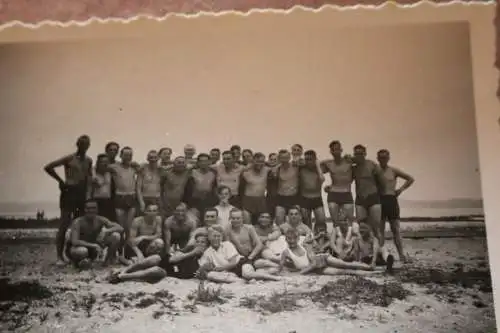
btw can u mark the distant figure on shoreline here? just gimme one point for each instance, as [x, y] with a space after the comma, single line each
[40, 215]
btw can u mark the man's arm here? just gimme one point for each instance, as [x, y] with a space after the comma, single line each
[134, 240]
[320, 172]
[379, 178]
[233, 258]
[255, 240]
[242, 184]
[333, 241]
[323, 167]
[138, 189]
[275, 234]
[50, 168]
[409, 180]
[167, 236]
[111, 226]
[75, 236]
[376, 248]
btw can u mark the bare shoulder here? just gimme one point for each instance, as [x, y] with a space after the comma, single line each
[168, 222]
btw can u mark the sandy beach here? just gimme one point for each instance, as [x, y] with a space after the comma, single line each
[446, 289]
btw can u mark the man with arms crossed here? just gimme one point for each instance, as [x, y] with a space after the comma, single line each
[101, 188]
[287, 177]
[74, 188]
[370, 182]
[229, 175]
[145, 235]
[90, 234]
[339, 191]
[389, 199]
[124, 177]
[148, 183]
[311, 182]
[253, 184]
[201, 187]
[173, 186]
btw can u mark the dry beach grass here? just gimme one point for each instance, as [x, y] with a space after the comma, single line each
[446, 289]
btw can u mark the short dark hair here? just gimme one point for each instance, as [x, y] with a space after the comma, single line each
[247, 151]
[360, 147]
[163, 149]
[152, 151]
[90, 200]
[333, 144]
[222, 188]
[235, 147]
[383, 151]
[110, 144]
[200, 156]
[101, 156]
[298, 145]
[125, 148]
[271, 154]
[215, 149]
[295, 207]
[283, 151]
[311, 153]
[212, 209]
[82, 137]
[259, 155]
[227, 152]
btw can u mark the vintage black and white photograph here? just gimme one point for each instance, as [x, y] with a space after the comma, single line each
[243, 173]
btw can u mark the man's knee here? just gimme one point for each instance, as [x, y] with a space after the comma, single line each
[113, 238]
[247, 271]
[155, 247]
[79, 253]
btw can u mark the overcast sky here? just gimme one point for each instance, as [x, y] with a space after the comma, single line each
[263, 86]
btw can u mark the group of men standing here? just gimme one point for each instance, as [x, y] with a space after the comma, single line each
[124, 191]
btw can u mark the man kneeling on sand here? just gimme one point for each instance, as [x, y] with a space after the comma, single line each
[90, 235]
[297, 258]
[222, 263]
[145, 238]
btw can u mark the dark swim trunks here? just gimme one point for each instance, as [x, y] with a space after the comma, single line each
[390, 208]
[125, 202]
[369, 201]
[238, 270]
[311, 203]
[340, 198]
[185, 269]
[72, 198]
[106, 208]
[286, 201]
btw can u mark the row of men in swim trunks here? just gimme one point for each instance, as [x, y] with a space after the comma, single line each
[255, 185]
[177, 247]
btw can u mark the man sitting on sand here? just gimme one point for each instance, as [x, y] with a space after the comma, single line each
[178, 228]
[222, 263]
[209, 219]
[296, 258]
[295, 222]
[341, 240]
[180, 265]
[366, 249]
[145, 235]
[246, 241]
[90, 234]
[271, 237]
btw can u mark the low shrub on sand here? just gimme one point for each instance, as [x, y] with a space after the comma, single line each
[207, 295]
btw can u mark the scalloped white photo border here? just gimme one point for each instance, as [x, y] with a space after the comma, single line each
[93, 20]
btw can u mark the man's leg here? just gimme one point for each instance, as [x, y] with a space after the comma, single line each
[334, 209]
[223, 277]
[337, 271]
[151, 275]
[264, 263]
[155, 247]
[350, 215]
[64, 224]
[338, 263]
[249, 273]
[267, 254]
[307, 216]
[319, 215]
[374, 217]
[112, 243]
[79, 256]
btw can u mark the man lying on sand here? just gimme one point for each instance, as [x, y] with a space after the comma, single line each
[181, 265]
[90, 235]
[222, 263]
[145, 235]
[299, 259]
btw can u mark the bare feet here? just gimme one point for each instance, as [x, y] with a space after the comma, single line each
[85, 264]
[60, 263]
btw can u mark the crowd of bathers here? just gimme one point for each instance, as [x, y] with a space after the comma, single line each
[227, 215]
